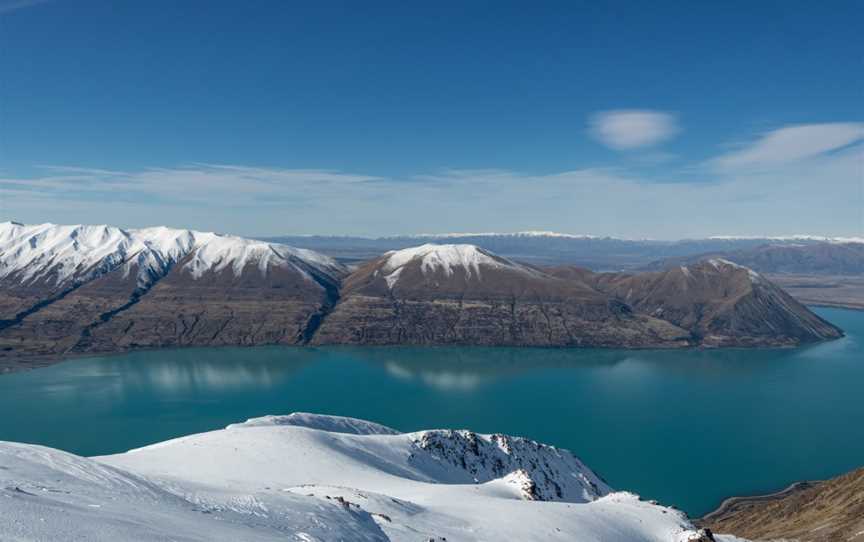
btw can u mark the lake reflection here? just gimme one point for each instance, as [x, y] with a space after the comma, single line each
[685, 427]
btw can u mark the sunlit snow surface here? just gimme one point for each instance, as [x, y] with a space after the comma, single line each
[720, 263]
[447, 259]
[62, 254]
[309, 477]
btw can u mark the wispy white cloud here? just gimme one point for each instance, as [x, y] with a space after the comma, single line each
[790, 144]
[816, 193]
[197, 183]
[632, 129]
[7, 6]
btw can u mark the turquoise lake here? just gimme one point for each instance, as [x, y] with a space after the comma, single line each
[687, 428]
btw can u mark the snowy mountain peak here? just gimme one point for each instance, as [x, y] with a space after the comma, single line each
[722, 263]
[446, 259]
[64, 254]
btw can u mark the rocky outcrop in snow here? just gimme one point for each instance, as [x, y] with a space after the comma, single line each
[543, 473]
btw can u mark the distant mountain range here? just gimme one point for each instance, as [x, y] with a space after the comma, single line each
[74, 289]
[832, 255]
[815, 258]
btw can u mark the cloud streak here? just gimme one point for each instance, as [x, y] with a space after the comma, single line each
[8, 6]
[791, 144]
[197, 183]
[816, 189]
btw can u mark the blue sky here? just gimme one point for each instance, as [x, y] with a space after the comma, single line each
[663, 119]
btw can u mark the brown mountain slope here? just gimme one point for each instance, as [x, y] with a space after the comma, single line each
[75, 289]
[829, 511]
[719, 302]
[56, 327]
[275, 306]
[460, 294]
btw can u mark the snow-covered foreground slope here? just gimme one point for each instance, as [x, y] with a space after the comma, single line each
[308, 477]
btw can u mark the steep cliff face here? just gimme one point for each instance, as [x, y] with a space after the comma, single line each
[461, 294]
[721, 303]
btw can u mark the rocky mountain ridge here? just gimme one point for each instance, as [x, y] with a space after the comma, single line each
[464, 295]
[720, 302]
[599, 253]
[76, 289]
[68, 289]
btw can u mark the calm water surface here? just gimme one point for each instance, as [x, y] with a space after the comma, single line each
[687, 427]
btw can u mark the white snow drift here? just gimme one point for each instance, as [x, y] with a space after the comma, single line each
[307, 477]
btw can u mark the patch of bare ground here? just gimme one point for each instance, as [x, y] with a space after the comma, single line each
[824, 290]
[829, 511]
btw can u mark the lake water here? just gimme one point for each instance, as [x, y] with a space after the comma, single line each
[687, 428]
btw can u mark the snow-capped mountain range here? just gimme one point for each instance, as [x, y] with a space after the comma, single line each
[529, 233]
[74, 289]
[560, 235]
[464, 294]
[309, 477]
[60, 254]
[830, 255]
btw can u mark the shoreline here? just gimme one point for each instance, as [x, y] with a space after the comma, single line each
[729, 503]
[828, 305]
[40, 361]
